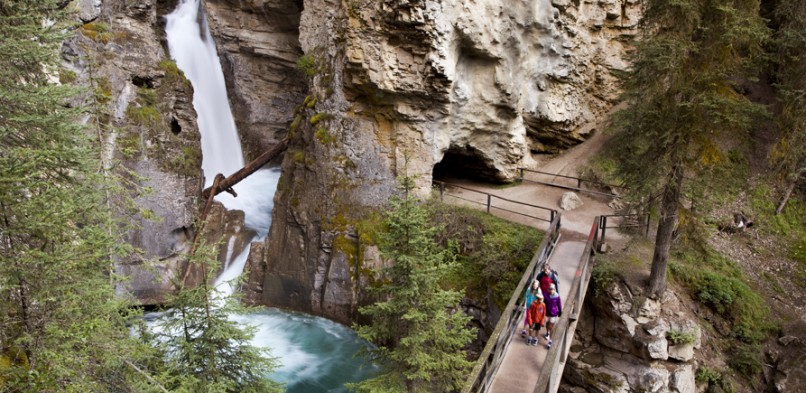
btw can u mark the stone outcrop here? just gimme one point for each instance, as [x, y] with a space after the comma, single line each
[140, 106]
[570, 201]
[258, 42]
[630, 343]
[412, 88]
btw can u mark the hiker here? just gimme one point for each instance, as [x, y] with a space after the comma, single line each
[536, 317]
[547, 277]
[554, 310]
[530, 297]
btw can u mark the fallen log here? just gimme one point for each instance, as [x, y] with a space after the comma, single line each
[250, 168]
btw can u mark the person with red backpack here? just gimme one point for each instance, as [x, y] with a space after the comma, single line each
[547, 277]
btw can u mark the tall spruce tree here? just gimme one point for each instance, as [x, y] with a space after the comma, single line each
[416, 323]
[61, 326]
[790, 58]
[683, 100]
[204, 350]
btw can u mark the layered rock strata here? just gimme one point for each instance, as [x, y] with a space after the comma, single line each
[402, 88]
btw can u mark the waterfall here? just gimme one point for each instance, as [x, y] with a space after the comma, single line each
[317, 355]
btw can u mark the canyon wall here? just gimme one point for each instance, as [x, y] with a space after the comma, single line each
[370, 90]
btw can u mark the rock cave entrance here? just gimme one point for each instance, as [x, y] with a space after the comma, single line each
[464, 163]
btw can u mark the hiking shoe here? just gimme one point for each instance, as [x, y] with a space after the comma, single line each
[548, 344]
[523, 333]
[546, 336]
[534, 342]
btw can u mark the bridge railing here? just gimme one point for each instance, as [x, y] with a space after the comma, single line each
[552, 370]
[494, 202]
[512, 316]
[622, 221]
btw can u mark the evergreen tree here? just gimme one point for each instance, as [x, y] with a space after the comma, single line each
[790, 57]
[204, 349]
[682, 101]
[61, 326]
[419, 333]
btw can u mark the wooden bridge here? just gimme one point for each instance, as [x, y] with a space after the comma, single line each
[507, 364]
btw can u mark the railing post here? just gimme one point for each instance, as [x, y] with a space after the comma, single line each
[489, 202]
[441, 191]
[579, 183]
[603, 225]
[521, 171]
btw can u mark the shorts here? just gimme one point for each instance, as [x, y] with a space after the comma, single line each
[554, 319]
[536, 326]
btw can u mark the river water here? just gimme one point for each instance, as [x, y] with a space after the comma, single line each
[316, 355]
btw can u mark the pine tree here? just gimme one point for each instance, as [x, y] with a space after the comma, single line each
[415, 323]
[790, 58]
[204, 349]
[683, 100]
[61, 326]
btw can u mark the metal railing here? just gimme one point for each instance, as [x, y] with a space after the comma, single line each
[553, 366]
[490, 359]
[491, 198]
[579, 182]
[640, 221]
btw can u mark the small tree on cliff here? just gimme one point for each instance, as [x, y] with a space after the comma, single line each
[682, 101]
[419, 331]
[203, 349]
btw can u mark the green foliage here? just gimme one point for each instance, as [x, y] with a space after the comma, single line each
[97, 31]
[746, 359]
[721, 285]
[419, 339]
[677, 337]
[789, 54]
[682, 102]
[201, 348]
[171, 69]
[144, 115]
[713, 379]
[315, 119]
[492, 252]
[62, 328]
[67, 77]
[324, 136]
[307, 63]
[603, 275]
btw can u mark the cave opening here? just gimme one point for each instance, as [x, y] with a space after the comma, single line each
[465, 163]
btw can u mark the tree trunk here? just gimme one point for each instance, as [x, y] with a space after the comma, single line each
[796, 177]
[663, 240]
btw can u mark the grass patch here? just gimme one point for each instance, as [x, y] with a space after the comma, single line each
[97, 31]
[143, 115]
[746, 359]
[721, 285]
[492, 253]
[321, 116]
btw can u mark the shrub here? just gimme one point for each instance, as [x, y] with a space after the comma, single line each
[307, 63]
[677, 337]
[324, 136]
[602, 276]
[320, 117]
[746, 359]
[713, 379]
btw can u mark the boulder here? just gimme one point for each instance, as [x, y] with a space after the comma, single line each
[682, 380]
[570, 201]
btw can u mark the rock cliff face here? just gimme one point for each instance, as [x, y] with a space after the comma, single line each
[629, 343]
[140, 106]
[418, 87]
[259, 46]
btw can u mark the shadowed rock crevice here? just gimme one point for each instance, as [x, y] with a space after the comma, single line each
[465, 163]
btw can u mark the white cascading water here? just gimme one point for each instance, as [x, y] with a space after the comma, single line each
[316, 354]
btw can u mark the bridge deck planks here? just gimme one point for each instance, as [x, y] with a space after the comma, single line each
[521, 365]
